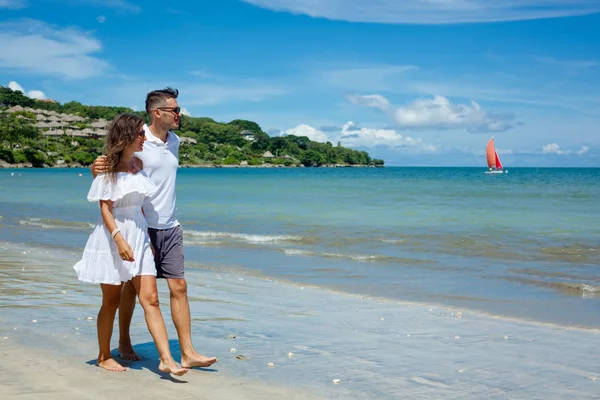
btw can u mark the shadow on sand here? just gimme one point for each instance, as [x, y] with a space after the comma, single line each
[149, 360]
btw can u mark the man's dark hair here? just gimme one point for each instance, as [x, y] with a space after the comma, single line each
[156, 98]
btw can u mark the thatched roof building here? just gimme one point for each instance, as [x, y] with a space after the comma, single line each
[184, 139]
[101, 123]
[53, 132]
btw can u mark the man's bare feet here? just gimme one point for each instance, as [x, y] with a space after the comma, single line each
[126, 352]
[171, 367]
[111, 365]
[197, 360]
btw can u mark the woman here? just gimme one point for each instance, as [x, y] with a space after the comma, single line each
[118, 250]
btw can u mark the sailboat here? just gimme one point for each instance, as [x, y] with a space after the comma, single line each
[493, 161]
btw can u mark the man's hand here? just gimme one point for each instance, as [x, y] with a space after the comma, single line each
[99, 166]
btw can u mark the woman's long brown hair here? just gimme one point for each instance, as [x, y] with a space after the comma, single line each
[122, 132]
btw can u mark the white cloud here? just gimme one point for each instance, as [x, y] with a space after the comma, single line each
[584, 150]
[505, 151]
[16, 87]
[553, 148]
[432, 11]
[184, 111]
[34, 94]
[36, 47]
[437, 113]
[13, 4]
[371, 100]
[306, 130]
[354, 136]
[101, 19]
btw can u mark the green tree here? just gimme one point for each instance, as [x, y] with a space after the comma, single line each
[12, 129]
[312, 158]
[9, 98]
[242, 124]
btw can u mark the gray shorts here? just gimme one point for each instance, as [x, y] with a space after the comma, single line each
[168, 251]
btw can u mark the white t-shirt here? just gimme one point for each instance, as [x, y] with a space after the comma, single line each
[161, 161]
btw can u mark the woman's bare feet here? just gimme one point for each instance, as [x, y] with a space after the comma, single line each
[126, 352]
[197, 360]
[111, 365]
[171, 367]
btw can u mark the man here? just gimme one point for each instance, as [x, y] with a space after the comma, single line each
[160, 162]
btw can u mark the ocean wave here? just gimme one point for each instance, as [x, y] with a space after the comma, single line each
[47, 223]
[580, 289]
[393, 241]
[358, 257]
[211, 243]
[354, 257]
[245, 237]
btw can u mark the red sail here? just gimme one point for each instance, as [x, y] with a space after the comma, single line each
[498, 163]
[490, 154]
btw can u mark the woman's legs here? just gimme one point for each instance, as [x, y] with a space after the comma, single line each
[145, 286]
[126, 307]
[111, 295]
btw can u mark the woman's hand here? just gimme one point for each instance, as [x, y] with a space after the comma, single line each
[125, 250]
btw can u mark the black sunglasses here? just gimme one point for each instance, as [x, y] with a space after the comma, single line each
[175, 110]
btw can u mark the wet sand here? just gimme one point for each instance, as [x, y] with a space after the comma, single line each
[376, 348]
[27, 373]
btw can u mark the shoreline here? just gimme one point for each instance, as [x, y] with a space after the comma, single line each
[79, 166]
[197, 267]
[376, 348]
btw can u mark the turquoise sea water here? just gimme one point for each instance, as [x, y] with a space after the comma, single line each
[524, 244]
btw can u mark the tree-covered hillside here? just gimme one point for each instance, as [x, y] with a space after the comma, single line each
[46, 133]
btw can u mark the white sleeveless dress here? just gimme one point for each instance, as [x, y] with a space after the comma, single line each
[101, 262]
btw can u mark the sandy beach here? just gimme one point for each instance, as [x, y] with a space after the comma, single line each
[28, 373]
[377, 348]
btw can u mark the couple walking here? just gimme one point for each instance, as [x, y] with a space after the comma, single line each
[139, 238]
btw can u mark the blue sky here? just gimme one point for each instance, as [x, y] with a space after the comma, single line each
[415, 82]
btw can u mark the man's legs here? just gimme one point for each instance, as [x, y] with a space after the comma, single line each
[126, 308]
[180, 311]
[169, 245]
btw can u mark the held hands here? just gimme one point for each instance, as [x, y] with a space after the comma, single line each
[125, 250]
